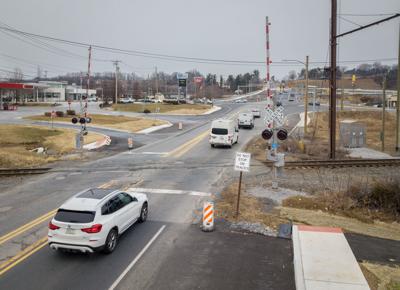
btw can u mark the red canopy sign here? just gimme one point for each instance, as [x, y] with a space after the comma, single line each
[15, 86]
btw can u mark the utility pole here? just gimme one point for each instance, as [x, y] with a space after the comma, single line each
[85, 107]
[332, 82]
[342, 98]
[156, 81]
[115, 62]
[383, 112]
[398, 101]
[306, 100]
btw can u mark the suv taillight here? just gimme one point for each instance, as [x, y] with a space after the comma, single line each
[93, 229]
[53, 226]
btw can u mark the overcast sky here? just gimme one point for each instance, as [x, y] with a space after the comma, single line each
[218, 29]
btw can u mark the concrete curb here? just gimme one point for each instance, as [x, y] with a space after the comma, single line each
[155, 128]
[297, 261]
[323, 259]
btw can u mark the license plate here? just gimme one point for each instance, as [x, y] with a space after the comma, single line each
[70, 231]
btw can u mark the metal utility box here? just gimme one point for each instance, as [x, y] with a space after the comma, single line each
[352, 134]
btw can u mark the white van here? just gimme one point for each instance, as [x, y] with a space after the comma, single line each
[246, 120]
[224, 132]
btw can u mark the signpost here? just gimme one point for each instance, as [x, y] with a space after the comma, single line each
[242, 163]
[182, 78]
[53, 115]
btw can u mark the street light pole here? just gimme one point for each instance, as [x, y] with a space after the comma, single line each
[306, 100]
[332, 82]
[306, 91]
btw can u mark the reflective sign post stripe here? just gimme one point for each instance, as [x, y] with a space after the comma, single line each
[208, 216]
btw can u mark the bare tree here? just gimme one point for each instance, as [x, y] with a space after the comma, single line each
[17, 75]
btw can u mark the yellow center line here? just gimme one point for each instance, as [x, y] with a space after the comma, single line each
[31, 249]
[39, 220]
[28, 251]
[184, 148]
[27, 226]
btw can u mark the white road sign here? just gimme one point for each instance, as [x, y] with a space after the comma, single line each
[242, 161]
[272, 116]
[182, 76]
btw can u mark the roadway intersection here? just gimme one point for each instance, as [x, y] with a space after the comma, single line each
[169, 159]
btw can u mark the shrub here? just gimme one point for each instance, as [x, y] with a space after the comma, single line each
[146, 111]
[71, 112]
[47, 114]
[59, 113]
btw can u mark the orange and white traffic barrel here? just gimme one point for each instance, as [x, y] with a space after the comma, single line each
[208, 216]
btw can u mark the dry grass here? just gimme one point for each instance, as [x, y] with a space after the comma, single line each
[131, 124]
[251, 208]
[195, 109]
[324, 218]
[381, 277]
[17, 140]
[372, 120]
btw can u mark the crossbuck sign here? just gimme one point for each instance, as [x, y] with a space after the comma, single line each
[272, 116]
[242, 161]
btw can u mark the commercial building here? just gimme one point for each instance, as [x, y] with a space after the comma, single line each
[47, 91]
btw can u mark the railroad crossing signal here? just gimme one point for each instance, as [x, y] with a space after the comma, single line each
[274, 116]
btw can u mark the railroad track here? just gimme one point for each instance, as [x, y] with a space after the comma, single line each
[340, 163]
[22, 171]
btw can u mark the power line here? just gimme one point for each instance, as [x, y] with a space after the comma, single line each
[365, 15]
[349, 21]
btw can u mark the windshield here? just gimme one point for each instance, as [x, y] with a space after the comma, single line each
[219, 131]
[72, 216]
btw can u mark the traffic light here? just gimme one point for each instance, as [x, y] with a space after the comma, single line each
[282, 134]
[267, 134]
[74, 120]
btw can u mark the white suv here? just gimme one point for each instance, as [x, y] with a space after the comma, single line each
[93, 219]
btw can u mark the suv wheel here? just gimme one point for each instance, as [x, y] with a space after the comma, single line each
[111, 241]
[143, 213]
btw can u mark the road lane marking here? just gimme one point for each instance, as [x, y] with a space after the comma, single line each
[21, 256]
[27, 226]
[184, 148]
[39, 220]
[167, 191]
[130, 266]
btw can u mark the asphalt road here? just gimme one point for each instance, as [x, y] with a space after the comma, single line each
[175, 160]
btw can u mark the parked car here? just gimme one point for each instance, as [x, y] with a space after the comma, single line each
[93, 219]
[279, 103]
[224, 132]
[246, 120]
[126, 100]
[256, 113]
[92, 99]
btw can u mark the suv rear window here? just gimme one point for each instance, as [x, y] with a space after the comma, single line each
[219, 131]
[73, 216]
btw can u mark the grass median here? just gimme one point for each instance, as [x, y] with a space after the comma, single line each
[17, 142]
[184, 109]
[131, 124]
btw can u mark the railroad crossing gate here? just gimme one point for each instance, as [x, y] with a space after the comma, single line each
[274, 116]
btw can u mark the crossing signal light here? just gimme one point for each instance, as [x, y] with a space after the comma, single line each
[88, 120]
[82, 120]
[267, 134]
[282, 134]
[74, 120]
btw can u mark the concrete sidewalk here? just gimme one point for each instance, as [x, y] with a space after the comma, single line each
[323, 260]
